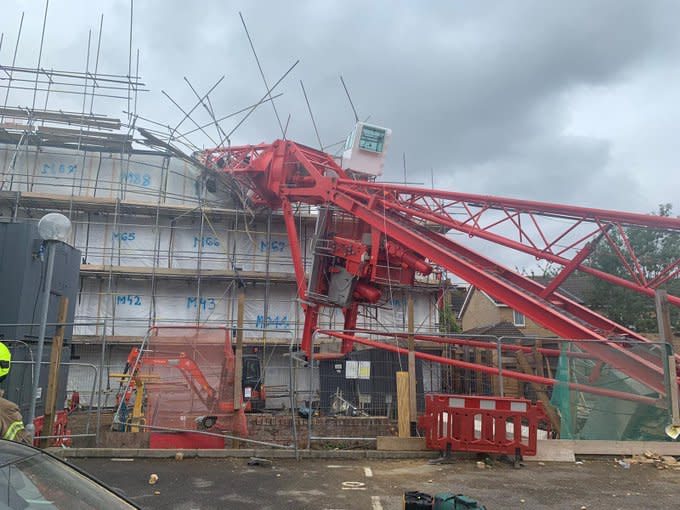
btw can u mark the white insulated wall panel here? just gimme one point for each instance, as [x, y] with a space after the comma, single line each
[129, 241]
[134, 177]
[131, 303]
[278, 314]
[44, 170]
[189, 243]
[184, 185]
[141, 177]
[250, 251]
[179, 302]
[91, 307]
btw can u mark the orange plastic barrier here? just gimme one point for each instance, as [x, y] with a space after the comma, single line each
[467, 423]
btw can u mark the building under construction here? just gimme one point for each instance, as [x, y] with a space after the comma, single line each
[162, 239]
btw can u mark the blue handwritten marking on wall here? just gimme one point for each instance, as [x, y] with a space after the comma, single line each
[58, 169]
[206, 242]
[124, 236]
[277, 322]
[277, 246]
[129, 300]
[137, 178]
[203, 304]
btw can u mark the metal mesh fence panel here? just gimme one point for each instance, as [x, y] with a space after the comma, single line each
[188, 375]
[590, 399]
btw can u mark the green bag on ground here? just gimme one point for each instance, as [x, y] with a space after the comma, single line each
[451, 501]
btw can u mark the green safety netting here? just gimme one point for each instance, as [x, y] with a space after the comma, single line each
[584, 415]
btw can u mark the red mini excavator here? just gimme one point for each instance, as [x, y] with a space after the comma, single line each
[369, 234]
[187, 374]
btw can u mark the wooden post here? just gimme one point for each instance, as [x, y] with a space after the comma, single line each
[413, 408]
[53, 377]
[403, 415]
[495, 380]
[663, 317]
[238, 364]
[541, 393]
[477, 376]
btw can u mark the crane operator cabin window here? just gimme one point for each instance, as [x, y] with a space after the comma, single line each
[372, 139]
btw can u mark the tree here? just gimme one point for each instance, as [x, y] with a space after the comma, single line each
[654, 250]
[447, 320]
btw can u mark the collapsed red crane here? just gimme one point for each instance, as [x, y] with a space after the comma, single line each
[369, 234]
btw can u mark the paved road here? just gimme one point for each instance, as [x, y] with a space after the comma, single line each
[342, 485]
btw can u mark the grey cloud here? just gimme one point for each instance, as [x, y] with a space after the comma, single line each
[478, 91]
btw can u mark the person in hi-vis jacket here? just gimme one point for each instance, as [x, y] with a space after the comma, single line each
[11, 423]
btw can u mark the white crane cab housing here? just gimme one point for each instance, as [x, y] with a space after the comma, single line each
[365, 149]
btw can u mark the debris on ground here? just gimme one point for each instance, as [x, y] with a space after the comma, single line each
[654, 459]
[259, 461]
[481, 464]
[153, 478]
[623, 463]
[179, 456]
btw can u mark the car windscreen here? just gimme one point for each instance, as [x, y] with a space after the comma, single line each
[42, 482]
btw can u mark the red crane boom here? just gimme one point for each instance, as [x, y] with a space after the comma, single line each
[369, 234]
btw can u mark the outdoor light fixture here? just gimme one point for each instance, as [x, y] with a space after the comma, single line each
[53, 228]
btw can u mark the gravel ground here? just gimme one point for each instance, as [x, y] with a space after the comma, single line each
[336, 485]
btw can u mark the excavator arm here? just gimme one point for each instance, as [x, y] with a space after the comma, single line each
[190, 371]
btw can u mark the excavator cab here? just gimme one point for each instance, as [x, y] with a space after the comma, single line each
[253, 389]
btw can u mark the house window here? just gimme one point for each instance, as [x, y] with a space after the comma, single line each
[518, 318]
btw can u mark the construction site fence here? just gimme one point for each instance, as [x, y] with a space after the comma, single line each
[353, 397]
[177, 400]
[349, 400]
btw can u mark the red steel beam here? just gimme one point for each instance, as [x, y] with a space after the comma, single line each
[542, 208]
[494, 371]
[481, 344]
[447, 221]
[568, 269]
[632, 365]
[534, 288]
[296, 254]
[608, 327]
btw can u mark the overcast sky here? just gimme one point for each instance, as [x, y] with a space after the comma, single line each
[574, 102]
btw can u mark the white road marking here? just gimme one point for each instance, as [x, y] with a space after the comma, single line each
[121, 459]
[353, 486]
[368, 472]
[375, 503]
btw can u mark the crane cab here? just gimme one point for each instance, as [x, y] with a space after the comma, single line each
[365, 149]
